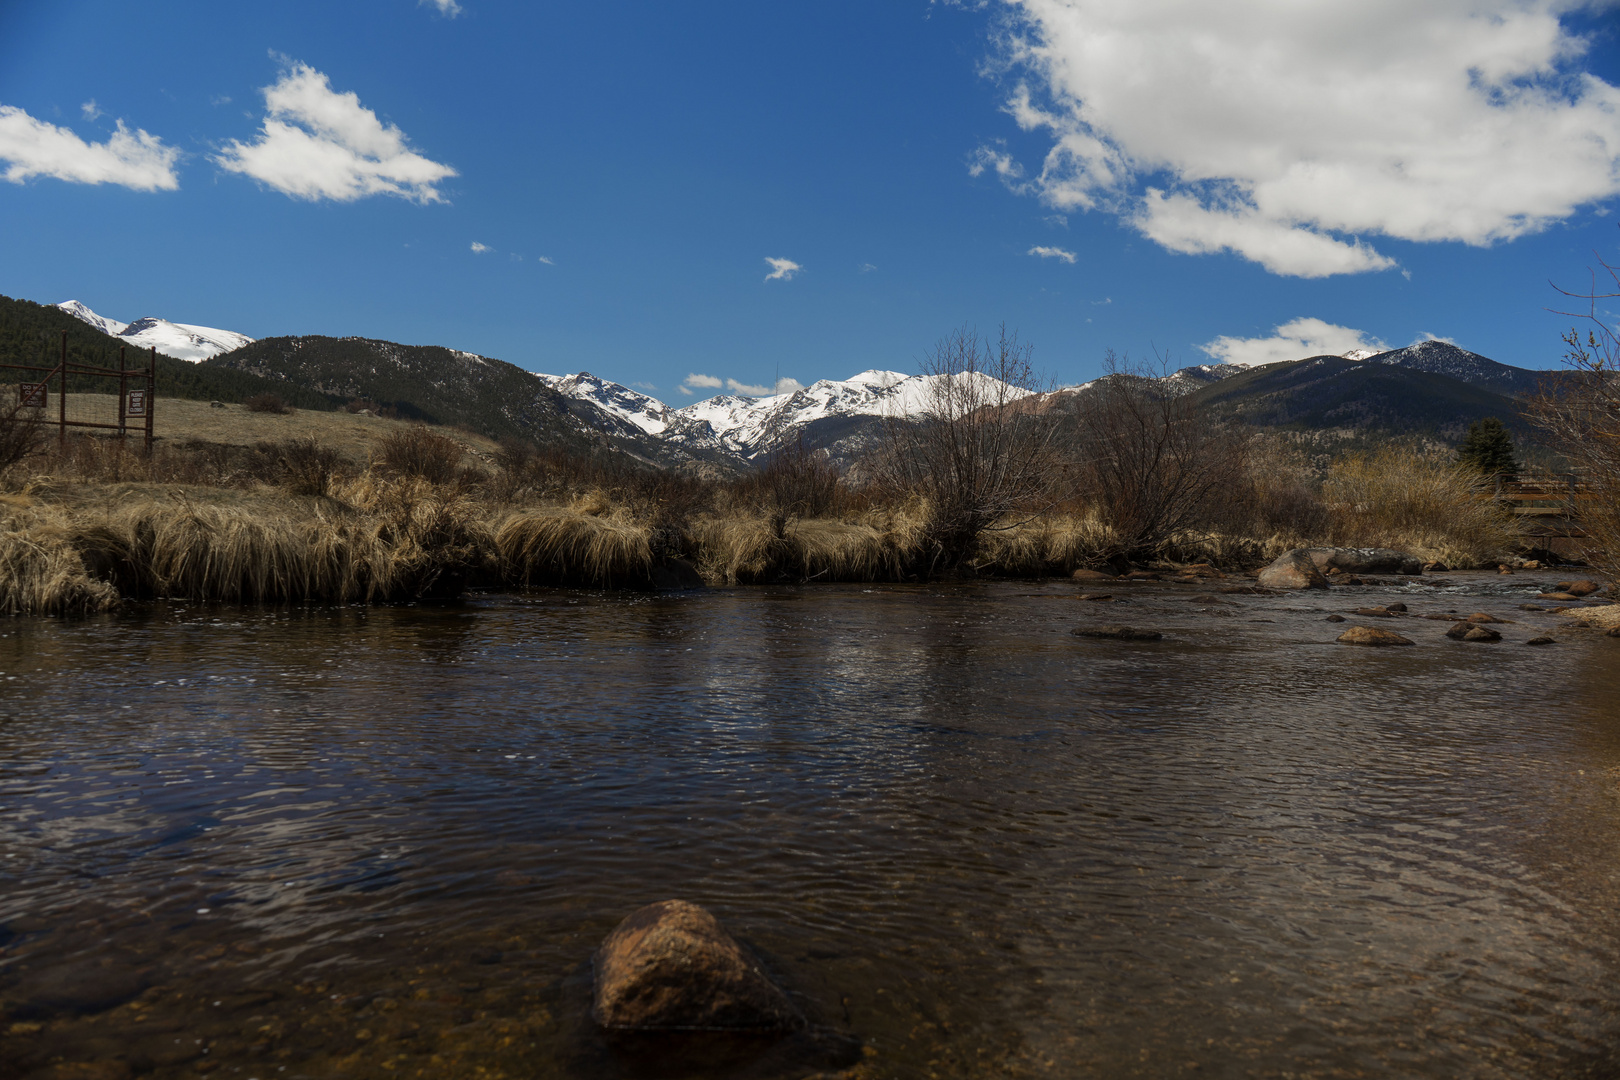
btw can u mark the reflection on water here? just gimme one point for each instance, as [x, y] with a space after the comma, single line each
[385, 842]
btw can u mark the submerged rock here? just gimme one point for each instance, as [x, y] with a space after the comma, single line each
[671, 966]
[1373, 612]
[1092, 575]
[1480, 633]
[1367, 635]
[1579, 588]
[1542, 640]
[1116, 633]
[1335, 618]
[1293, 570]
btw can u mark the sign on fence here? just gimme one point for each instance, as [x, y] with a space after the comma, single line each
[31, 395]
[91, 382]
[135, 403]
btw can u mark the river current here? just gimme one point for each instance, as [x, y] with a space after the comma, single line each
[385, 842]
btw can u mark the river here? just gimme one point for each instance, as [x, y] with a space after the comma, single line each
[384, 842]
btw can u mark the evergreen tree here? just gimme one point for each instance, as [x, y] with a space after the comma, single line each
[1489, 448]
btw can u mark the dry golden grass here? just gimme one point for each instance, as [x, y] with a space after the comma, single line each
[1426, 504]
[41, 571]
[356, 437]
[587, 543]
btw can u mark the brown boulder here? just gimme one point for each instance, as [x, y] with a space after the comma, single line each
[1395, 607]
[1581, 588]
[1480, 633]
[1366, 635]
[1335, 618]
[1293, 570]
[1556, 596]
[1481, 617]
[672, 966]
[1373, 612]
[1436, 567]
[1543, 640]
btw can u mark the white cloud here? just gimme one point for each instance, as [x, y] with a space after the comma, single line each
[1284, 131]
[481, 248]
[647, 386]
[548, 260]
[1051, 253]
[1294, 341]
[782, 269]
[747, 389]
[134, 160]
[695, 382]
[91, 110]
[448, 8]
[317, 144]
[785, 385]
[867, 268]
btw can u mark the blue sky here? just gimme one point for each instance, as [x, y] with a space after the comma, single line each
[1174, 177]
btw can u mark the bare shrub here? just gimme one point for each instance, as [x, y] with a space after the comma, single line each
[981, 456]
[1580, 414]
[794, 482]
[421, 453]
[21, 431]
[1148, 462]
[267, 403]
[303, 466]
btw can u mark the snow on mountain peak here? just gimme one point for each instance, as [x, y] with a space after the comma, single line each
[182, 341]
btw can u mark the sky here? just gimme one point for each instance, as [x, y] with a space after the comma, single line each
[734, 196]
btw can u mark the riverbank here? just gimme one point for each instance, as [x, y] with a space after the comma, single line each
[394, 512]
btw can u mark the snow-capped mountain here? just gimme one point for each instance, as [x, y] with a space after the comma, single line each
[750, 426]
[1444, 358]
[182, 341]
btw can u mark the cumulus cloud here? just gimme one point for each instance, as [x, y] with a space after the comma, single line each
[782, 269]
[91, 110]
[547, 259]
[747, 389]
[481, 248]
[785, 385]
[1051, 253]
[134, 160]
[318, 144]
[1286, 132]
[448, 8]
[1294, 341]
[695, 382]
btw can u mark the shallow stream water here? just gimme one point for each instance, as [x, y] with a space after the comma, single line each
[261, 843]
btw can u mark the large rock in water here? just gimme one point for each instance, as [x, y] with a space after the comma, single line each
[1293, 570]
[1363, 560]
[1367, 635]
[671, 966]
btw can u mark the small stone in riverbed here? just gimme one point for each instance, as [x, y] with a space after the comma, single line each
[1556, 596]
[1543, 640]
[1335, 618]
[672, 966]
[1116, 633]
[1580, 588]
[1366, 635]
[1372, 612]
[1531, 607]
[1091, 575]
[1480, 633]
[1395, 607]
[1481, 617]
[1613, 632]
[1436, 567]
[1094, 596]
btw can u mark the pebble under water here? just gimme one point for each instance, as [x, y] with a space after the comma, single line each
[345, 842]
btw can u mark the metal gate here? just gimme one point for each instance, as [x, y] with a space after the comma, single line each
[137, 392]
